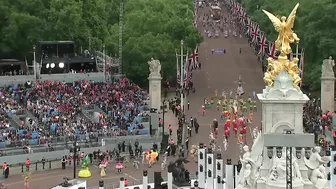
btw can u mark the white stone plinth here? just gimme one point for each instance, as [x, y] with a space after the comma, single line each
[155, 91]
[327, 93]
[282, 108]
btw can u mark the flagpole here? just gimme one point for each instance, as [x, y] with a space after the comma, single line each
[34, 63]
[104, 67]
[182, 78]
[297, 49]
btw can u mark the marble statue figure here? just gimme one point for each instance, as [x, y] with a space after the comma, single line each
[154, 67]
[278, 170]
[251, 162]
[315, 159]
[319, 178]
[327, 67]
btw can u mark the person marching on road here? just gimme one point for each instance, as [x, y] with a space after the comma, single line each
[170, 128]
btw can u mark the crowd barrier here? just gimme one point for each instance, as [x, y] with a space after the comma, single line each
[43, 141]
[133, 184]
[38, 165]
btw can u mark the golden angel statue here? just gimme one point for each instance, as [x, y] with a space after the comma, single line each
[284, 27]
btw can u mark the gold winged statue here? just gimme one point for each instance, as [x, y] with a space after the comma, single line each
[286, 36]
[284, 28]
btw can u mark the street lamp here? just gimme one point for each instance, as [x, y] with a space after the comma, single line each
[163, 108]
[34, 63]
[74, 158]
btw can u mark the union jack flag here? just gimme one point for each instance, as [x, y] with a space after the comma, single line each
[242, 15]
[249, 26]
[233, 7]
[186, 71]
[271, 50]
[193, 59]
[262, 43]
[255, 33]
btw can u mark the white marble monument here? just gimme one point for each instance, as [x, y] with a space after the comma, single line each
[262, 168]
[327, 85]
[155, 83]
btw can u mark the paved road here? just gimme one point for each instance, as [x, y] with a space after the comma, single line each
[221, 72]
[218, 72]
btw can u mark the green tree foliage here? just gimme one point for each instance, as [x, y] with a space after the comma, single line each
[152, 28]
[315, 25]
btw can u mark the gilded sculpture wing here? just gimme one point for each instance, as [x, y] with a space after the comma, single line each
[291, 18]
[276, 22]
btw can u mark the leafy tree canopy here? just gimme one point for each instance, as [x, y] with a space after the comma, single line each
[315, 25]
[152, 28]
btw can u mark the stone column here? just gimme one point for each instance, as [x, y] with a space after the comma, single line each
[327, 85]
[155, 83]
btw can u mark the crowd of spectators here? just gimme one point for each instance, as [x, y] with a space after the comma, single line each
[58, 107]
[316, 121]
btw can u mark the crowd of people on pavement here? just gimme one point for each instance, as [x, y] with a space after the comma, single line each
[317, 122]
[58, 106]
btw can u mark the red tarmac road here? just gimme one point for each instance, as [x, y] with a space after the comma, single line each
[218, 72]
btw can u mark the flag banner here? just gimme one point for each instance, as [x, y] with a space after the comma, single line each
[271, 50]
[186, 71]
[193, 59]
[262, 43]
[255, 33]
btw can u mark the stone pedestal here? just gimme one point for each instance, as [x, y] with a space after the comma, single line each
[327, 93]
[155, 91]
[327, 85]
[155, 84]
[282, 108]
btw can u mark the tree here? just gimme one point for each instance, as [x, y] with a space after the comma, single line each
[152, 28]
[315, 25]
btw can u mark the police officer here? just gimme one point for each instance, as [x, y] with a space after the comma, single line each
[63, 162]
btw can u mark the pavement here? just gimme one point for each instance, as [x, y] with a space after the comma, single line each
[218, 72]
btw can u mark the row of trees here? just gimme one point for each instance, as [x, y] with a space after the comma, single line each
[152, 28]
[315, 26]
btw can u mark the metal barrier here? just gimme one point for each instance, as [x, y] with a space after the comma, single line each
[150, 180]
[35, 166]
[55, 145]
